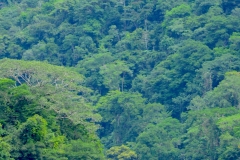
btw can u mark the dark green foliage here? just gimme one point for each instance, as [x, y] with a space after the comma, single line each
[160, 141]
[125, 116]
[121, 114]
[28, 132]
[224, 95]
[201, 135]
[156, 79]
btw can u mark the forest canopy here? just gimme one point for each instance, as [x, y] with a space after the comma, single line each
[119, 79]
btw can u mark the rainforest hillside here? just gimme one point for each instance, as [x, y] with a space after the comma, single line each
[119, 79]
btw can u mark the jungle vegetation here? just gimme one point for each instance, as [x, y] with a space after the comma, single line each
[119, 79]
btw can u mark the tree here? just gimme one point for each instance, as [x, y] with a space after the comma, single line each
[54, 84]
[224, 95]
[121, 112]
[85, 149]
[160, 141]
[32, 132]
[169, 78]
[114, 74]
[121, 153]
[229, 138]
[235, 41]
[29, 138]
[90, 67]
[201, 140]
[212, 72]
[5, 149]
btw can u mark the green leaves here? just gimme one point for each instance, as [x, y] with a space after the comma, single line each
[201, 141]
[30, 131]
[114, 73]
[169, 78]
[179, 11]
[159, 141]
[54, 85]
[178, 53]
[225, 95]
[121, 153]
[121, 112]
[5, 149]
[126, 117]
[235, 41]
[34, 129]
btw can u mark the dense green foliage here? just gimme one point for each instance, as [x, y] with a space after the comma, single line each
[35, 120]
[119, 80]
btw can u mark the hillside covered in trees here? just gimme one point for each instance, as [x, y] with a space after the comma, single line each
[120, 79]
